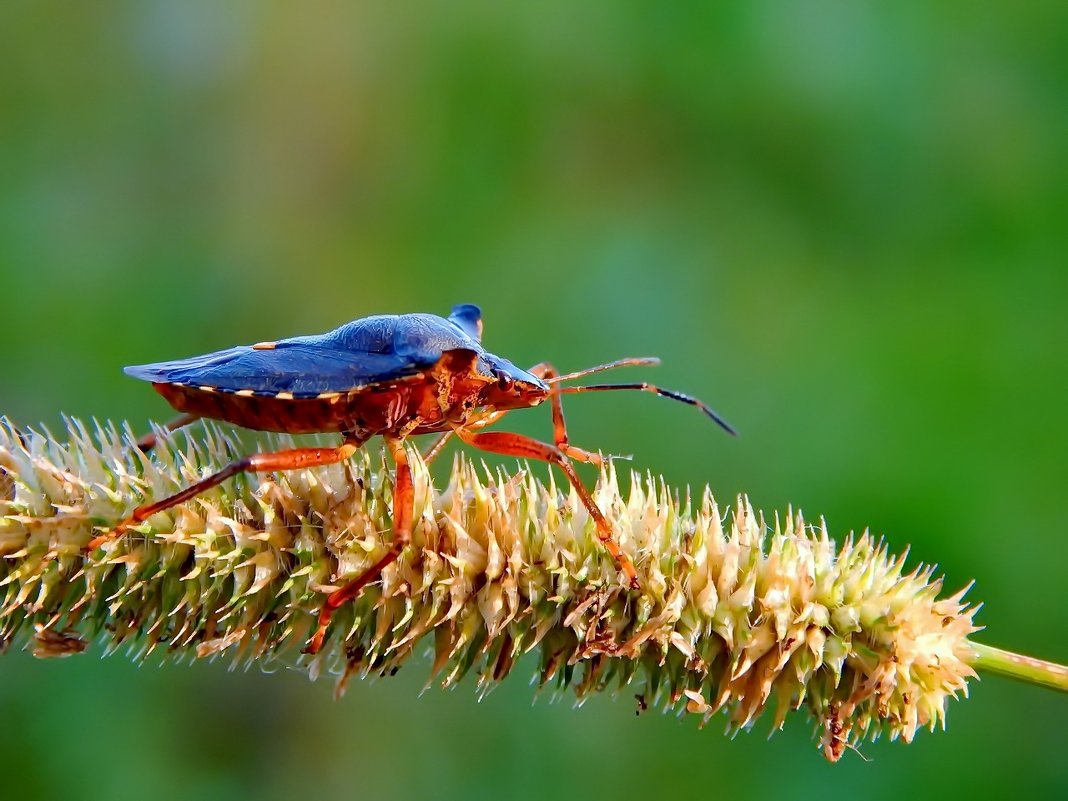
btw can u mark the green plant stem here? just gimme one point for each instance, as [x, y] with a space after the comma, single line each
[989, 659]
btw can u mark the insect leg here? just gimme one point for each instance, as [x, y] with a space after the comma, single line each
[148, 441]
[403, 513]
[439, 445]
[472, 424]
[526, 448]
[257, 463]
[550, 373]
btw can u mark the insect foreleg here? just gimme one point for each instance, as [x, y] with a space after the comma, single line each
[523, 447]
[550, 374]
[403, 513]
[478, 423]
[257, 463]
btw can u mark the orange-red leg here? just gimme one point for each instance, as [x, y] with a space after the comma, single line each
[148, 441]
[435, 450]
[474, 424]
[526, 448]
[257, 463]
[403, 513]
[547, 371]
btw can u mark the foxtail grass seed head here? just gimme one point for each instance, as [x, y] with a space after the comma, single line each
[737, 615]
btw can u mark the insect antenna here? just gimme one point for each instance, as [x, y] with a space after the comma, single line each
[632, 361]
[665, 393]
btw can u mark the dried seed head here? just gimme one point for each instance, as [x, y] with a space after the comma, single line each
[734, 615]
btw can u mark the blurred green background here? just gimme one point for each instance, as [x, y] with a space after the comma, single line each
[843, 226]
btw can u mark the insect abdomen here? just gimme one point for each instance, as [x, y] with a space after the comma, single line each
[368, 410]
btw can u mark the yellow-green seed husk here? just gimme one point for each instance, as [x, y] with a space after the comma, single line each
[734, 614]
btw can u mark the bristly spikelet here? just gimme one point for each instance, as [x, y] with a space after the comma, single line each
[731, 616]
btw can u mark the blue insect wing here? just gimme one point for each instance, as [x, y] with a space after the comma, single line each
[364, 352]
[367, 335]
[425, 337]
[183, 370]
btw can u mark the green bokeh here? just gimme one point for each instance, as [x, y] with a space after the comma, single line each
[845, 227]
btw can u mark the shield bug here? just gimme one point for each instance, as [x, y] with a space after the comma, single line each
[389, 375]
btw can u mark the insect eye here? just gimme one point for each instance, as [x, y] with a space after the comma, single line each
[505, 381]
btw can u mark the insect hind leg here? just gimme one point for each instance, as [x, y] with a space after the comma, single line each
[257, 463]
[403, 514]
